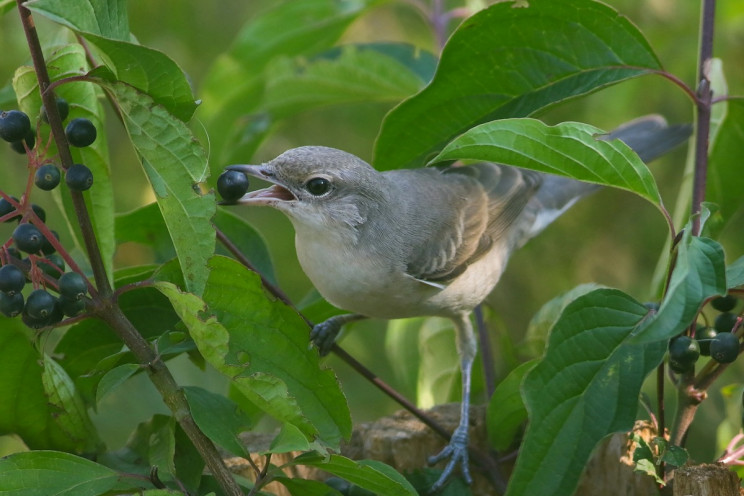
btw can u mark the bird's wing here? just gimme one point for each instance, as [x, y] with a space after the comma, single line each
[480, 202]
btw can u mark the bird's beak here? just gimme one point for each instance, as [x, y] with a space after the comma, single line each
[277, 193]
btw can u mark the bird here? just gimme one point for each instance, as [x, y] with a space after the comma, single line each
[429, 241]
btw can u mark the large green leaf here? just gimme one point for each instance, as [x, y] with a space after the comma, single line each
[219, 418]
[368, 474]
[176, 165]
[41, 473]
[102, 17]
[506, 411]
[511, 61]
[150, 71]
[699, 273]
[725, 180]
[585, 387]
[569, 149]
[63, 62]
[262, 346]
[26, 409]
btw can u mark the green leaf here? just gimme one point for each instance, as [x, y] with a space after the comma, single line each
[699, 273]
[41, 473]
[570, 149]
[115, 378]
[25, 409]
[506, 411]
[725, 181]
[352, 73]
[219, 418]
[175, 164]
[647, 467]
[148, 70]
[102, 17]
[512, 61]
[290, 438]
[262, 345]
[541, 323]
[305, 487]
[67, 408]
[735, 273]
[368, 474]
[84, 98]
[585, 387]
[247, 240]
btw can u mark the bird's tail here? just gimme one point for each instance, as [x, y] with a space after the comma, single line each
[649, 136]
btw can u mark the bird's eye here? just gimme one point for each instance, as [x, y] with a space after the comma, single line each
[318, 186]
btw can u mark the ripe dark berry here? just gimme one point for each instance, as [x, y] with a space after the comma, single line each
[704, 335]
[724, 348]
[683, 353]
[71, 307]
[724, 322]
[40, 213]
[46, 247]
[80, 132]
[724, 303]
[28, 238]
[47, 177]
[62, 107]
[11, 305]
[30, 140]
[232, 184]
[52, 265]
[40, 304]
[34, 322]
[12, 279]
[72, 286]
[6, 208]
[14, 125]
[79, 178]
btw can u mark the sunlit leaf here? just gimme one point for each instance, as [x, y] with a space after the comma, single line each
[512, 60]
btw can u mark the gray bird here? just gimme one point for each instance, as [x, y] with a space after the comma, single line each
[429, 241]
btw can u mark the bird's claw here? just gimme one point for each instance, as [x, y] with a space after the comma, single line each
[457, 452]
[324, 335]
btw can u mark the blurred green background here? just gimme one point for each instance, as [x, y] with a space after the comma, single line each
[611, 238]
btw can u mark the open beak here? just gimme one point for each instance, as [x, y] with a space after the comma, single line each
[276, 193]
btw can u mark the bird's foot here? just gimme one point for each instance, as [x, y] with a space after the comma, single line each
[457, 452]
[324, 335]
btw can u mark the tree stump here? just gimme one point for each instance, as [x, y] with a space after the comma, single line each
[706, 480]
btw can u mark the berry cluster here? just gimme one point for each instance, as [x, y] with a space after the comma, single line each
[42, 266]
[720, 341]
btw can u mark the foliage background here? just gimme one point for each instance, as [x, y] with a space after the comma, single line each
[611, 238]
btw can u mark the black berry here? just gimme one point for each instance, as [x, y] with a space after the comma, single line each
[704, 336]
[62, 107]
[71, 307]
[6, 208]
[11, 305]
[46, 247]
[14, 125]
[12, 279]
[232, 184]
[72, 286]
[79, 178]
[40, 304]
[30, 140]
[40, 213]
[724, 348]
[724, 303]
[52, 265]
[47, 177]
[724, 322]
[80, 132]
[683, 353]
[34, 322]
[28, 238]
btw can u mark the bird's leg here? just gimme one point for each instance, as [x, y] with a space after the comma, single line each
[324, 334]
[457, 449]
